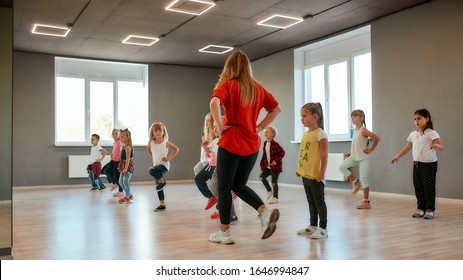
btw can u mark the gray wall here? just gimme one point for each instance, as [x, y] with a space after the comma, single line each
[6, 98]
[178, 96]
[418, 63]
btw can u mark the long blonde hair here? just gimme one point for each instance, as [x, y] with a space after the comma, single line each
[155, 126]
[129, 136]
[238, 68]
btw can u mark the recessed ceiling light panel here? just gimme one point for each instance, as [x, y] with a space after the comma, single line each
[215, 49]
[50, 30]
[192, 7]
[140, 40]
[279, 21]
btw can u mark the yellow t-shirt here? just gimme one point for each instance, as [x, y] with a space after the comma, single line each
[309, 155]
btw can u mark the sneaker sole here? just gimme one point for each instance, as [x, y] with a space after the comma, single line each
[271, 227]
[221, 242]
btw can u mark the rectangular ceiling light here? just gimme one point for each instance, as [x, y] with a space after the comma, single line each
[50, 30]
[216, 49]
[192, 7]
[279, 21]
[140, 40]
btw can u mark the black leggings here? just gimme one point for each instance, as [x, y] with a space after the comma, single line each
[315, 193]
[232, 173]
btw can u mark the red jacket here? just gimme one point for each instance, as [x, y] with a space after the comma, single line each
[276, 154]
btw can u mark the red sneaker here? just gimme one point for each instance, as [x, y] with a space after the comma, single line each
[124, 200]
[215, 215]
[212, 201]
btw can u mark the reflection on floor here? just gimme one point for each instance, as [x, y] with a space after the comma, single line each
[69, 222]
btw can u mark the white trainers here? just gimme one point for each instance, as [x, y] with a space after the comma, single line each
[273, 200]
[269, 195]
[269, 220]
[320, 234]
[307, 231]
[223, 237]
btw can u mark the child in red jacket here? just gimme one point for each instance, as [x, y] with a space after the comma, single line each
[271, 163]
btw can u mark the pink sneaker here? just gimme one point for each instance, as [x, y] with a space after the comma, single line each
[118, 194]
[113, 187]
[356, 186]
[364, 205]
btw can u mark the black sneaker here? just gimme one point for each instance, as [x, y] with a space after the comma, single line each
[94, 189]
[160, 186]
[233, 219]
[160, 208]
[102, 188]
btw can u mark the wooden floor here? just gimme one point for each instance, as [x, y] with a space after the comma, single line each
[69, 222]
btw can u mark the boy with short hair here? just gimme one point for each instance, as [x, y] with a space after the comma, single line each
[97, 154]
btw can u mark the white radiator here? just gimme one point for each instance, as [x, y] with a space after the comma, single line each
[332, 169]
[77, 165]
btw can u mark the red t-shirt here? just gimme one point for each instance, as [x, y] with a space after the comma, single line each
[242, 138]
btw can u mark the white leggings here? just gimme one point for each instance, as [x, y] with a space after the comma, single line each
[364, 166]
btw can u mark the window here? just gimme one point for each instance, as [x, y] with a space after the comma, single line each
[95, 97]
[337, 73]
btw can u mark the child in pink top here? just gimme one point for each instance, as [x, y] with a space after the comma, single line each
[110, 169]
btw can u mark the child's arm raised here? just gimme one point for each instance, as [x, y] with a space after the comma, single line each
[402, 152]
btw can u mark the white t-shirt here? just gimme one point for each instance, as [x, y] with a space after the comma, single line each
[358, 146]
[95, 153]
[267, 153]
[159, 151]
[421, 143]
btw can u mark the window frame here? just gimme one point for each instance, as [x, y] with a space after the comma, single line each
[303, 61]
[87, 81]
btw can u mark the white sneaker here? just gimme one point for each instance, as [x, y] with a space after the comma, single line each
[269, 195]
[223, 237]
[273, 200]
[307, 231]
[269, 220]
[320, 234]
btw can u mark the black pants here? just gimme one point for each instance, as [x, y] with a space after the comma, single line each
[315, 192]
[424, 181]
[112, 173]
[263, 177]
[233, 173]
[201, 180]
[158, 172]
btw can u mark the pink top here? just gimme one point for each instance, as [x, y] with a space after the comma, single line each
[116, 155]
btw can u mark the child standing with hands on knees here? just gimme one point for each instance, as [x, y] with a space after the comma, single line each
[424, 141]
[158, 149]
[313, 159]
[126, 165]
[97, 154]
[271, 163]
[359, 155]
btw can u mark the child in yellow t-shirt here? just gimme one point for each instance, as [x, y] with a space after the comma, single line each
[313, 158]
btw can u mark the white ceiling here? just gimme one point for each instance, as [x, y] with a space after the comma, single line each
[99, 26]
